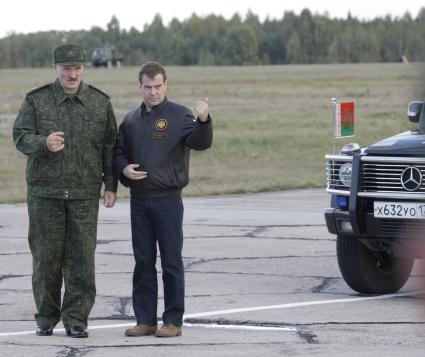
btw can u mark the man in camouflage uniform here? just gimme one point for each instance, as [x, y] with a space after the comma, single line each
[68, 130]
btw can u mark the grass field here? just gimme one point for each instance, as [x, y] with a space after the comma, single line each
[272, 124]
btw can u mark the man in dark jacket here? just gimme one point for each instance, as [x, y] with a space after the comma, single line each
[152, 158]
[68, 131]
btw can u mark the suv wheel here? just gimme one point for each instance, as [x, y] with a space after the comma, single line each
[369, 272]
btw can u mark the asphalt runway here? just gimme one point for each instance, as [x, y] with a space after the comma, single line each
[261, 279]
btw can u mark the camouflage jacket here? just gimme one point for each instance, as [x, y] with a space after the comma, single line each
[90, 128]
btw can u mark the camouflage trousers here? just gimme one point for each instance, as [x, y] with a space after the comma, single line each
[62, 239]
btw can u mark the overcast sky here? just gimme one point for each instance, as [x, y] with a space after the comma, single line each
[42, 15]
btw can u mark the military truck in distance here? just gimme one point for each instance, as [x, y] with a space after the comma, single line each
[377, 208]
[106, 57]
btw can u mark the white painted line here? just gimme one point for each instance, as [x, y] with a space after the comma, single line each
[17, 333]
[98, 327]
[210, 326]
[301, 304]
[32, 332]
[241, 327]
[246, 309]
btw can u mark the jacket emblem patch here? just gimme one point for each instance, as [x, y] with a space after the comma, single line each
[161, 124]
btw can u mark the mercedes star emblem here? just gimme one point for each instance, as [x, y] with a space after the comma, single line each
[411, 178]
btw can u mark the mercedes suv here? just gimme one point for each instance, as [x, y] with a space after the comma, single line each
[377, 208]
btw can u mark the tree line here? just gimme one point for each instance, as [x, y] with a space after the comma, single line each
[213, 40]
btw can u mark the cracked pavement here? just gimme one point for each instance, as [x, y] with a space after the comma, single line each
[240, 252]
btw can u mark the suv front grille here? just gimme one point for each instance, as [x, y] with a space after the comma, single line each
[380, 174]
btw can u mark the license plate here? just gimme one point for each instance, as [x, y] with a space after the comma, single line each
[405, 210]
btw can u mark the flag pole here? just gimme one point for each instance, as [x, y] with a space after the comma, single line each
[333, 126]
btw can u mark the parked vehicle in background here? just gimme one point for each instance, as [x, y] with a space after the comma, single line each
[106, 57]
[378, 208]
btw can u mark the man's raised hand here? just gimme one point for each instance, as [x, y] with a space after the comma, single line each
[55, 141]
[200, 107]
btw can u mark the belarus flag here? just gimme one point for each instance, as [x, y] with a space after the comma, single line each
[344, 119]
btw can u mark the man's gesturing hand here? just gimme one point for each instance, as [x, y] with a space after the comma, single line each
[200, 107]
[130, 172]
[55, 141]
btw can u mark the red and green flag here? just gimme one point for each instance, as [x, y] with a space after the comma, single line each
[344, 120]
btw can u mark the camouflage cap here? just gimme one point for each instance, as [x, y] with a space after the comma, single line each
[69, 54]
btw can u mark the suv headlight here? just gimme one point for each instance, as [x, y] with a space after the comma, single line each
[350, 149]
[344, 173]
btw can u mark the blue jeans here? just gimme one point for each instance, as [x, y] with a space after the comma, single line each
[158, 219]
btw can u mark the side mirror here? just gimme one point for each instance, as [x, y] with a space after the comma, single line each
[414, 111]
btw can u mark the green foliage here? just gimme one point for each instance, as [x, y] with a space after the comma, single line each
[240, 46]
[294, 49]
[213, 40]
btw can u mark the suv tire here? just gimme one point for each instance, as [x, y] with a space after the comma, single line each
[369, 272]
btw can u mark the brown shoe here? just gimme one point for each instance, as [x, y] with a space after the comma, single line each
[141, 330]
[169, 330]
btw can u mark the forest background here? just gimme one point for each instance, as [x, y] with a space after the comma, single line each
[212, 40]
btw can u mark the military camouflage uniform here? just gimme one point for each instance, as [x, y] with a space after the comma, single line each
[63, 194]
